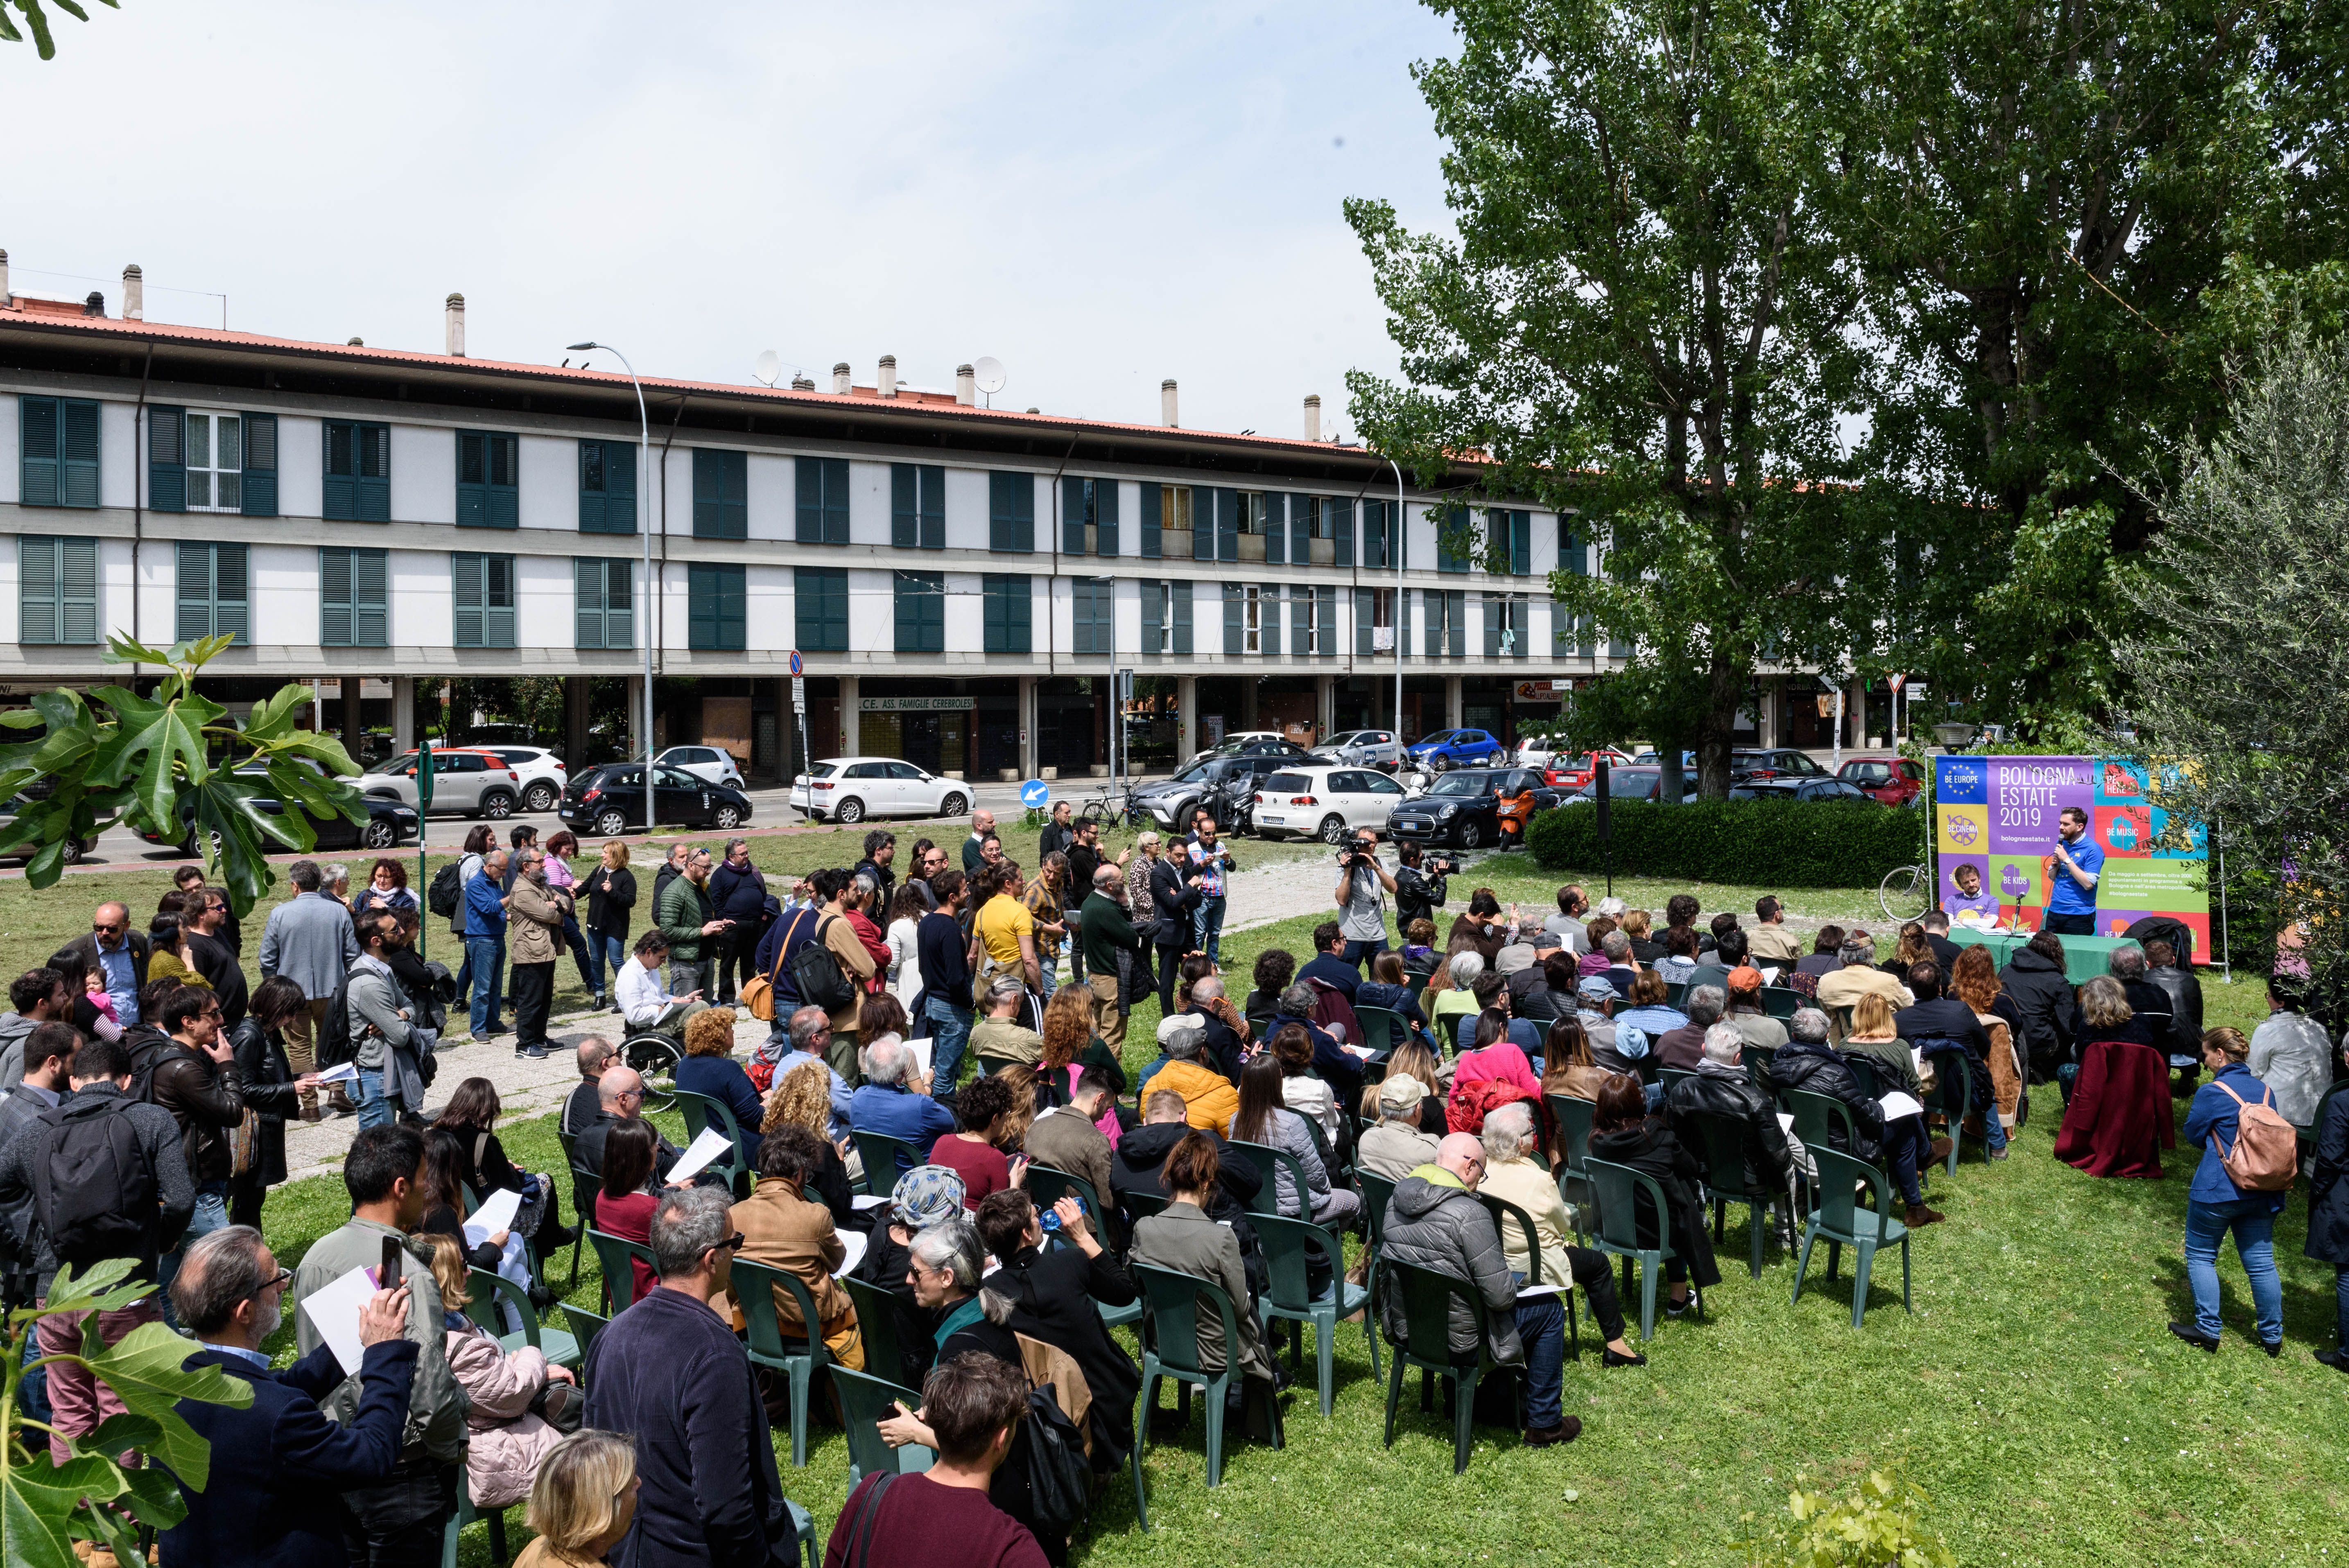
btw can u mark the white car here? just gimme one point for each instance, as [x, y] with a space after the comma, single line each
[543, 777]
[851, 788]
[1324, 803]
[714, 763]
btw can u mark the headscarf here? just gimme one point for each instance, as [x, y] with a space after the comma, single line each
[925, 1195]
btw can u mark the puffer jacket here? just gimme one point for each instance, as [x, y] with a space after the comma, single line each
[507, 1441]
[1728, 1094]
[2045, 999]
[1434, 1222]
[535, 921]
[1818, 1069]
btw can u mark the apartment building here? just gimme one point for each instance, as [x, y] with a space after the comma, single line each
[959, 580]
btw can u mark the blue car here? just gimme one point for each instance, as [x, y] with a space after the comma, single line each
[1449, 749]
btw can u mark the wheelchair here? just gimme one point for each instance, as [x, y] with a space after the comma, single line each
[654, 1055]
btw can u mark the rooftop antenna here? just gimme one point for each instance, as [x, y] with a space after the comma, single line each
[769, 369]
[987, 371]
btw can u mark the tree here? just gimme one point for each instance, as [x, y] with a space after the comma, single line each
[2239, 650]
[1645, 320]
[39, 23]
[92, 1496]
[148, 763]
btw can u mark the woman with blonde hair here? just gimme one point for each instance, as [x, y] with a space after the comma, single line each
[611, 890]
[1412, 1060]
[582, 1503]
[802, 1097]
[1874, 1036]
[517, 1404]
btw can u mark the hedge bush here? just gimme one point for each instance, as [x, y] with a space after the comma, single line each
[1770, 843]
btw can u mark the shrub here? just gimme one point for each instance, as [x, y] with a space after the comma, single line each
[1777, 843]
[1875, 1528]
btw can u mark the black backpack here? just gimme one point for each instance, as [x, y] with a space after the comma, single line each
[1060, 1480]
[448, 890]
[149, 1048]
[332, 1046]
[816, 974]
[94, 1192]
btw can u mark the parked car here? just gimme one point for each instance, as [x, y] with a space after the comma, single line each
[390, 823]
[610, 800]
[1362, 748]
[1224, 783]
[1781, 762]
[714, 763]
[1799, 790]
[1634, 783]
[1651, 757]
[1895, 782]
[1448, 749]
[1572, 771]
[75, 854]
[1237, 742]
[544, 776]
[1463, 808]
[851, 788]
[1326, 803]
[466, 782]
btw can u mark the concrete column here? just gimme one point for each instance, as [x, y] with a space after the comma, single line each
[1247, 702]
[1027, 765]
[403, 714]
[1855, 707]
[351, 727]
[574, 721]
[1186, 701]
[635, 715]
[1452, 719]
[1324, 706]
[848, 742]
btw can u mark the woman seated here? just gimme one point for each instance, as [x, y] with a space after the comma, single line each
[974, 1151]
[1419, 955]
[1389, 988]
[1874, 1037]
[925, 1196]
[1567, 1065]
[1513, 1174]
[785, 1229]
[1300, 1091]
[2120, 1116]
[803, 1098]
[1396, 1147]
[1276, 968]
[1623, 1133]
[518, 1405]
[1973, 980]
[582, 1503]
[1456, 999]
[1648, 1012]
[1054, 1295]
[709, 1068]
[1491, 1054]
[1263, 1120]
[1679, 961]
[625, 1201]
[1639, 927]
[472, 1112]
[444, 1215]
[1184, 1239]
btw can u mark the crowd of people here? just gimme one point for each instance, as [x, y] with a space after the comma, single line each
[938, 1140]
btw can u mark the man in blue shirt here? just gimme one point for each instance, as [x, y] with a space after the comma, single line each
[485, 941]
[2072, 907]
[895, 1100]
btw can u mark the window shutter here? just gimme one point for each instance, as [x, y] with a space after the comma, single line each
[994, 623]
[1234, 620]
[1227, 525]
[1150, 522]
[36, 425]
[587, 603]
[374, 482]
[370, 598]
[505, 481]
[1449, 521]
[195, 592]
[619, 605]
[1343, 526]
[1105, 519]
[1072, 517]
[1374, 541]
[1301, 518]
[339, 492]
[1325, 618]
[835, 496]
[167, 459]
[701, 605]
[231, 593]
[619, 486]
[465, 593]
[335, 597]
[473, 487]
[1276, 531]
[1521, 543]
[1363, 648]
[1202, 523]
[77, 590]
[722, 507]
[1011, 512]
[905, 507]
[1183, 618]
[498, 601]
[1268, 620]
[934, 506]
[1456, 622]
[733, 609]
[77, 456]
[1431, 617]
[260, 466]
[36, 588]
[1492, 625]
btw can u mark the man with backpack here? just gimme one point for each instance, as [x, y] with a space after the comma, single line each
[196, 1081]
[47, 1057]
[105, 1179]
[308, 940]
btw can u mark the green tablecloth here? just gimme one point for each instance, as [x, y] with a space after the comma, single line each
[2084, 957]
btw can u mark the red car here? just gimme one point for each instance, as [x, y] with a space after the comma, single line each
[1896, 782]
[1565, 771]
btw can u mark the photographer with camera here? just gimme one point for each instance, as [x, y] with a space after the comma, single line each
[1362, 886]
[1419, 885]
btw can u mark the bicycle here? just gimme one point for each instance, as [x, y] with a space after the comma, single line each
[1906, 892]
[1106, 807]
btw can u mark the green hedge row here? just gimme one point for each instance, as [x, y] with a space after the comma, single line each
[1765, 843]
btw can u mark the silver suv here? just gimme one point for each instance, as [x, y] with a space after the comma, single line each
[465, 783]
[1362, 748]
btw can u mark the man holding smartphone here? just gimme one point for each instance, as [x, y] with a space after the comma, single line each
[688, 918]
[2074, 867]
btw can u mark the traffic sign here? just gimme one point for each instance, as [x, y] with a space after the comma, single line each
[799, 690]
[423, 776]
[1035, 794]
[799, 666]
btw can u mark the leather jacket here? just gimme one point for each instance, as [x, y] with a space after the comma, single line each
[1820, 1069]
[1728, 1094]
[207, 1101]
[2185, 994]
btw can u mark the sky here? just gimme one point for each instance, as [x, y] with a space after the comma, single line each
[1100, 196]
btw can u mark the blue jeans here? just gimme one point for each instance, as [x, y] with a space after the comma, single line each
[374, 1109]
[605, 950]
[949, 1028]
[1360, 954]
[1207, 928]
[1047, 968]
[486, 958]
[1541, 1325]
[211, 1215]
[2252, 1220]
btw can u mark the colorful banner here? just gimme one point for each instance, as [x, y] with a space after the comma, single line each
[1994, 833]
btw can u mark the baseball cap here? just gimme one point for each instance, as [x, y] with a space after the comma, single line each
[1745, 977]
[1401, 1092]
[1596, 987]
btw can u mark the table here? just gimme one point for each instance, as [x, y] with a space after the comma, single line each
[2084, 957]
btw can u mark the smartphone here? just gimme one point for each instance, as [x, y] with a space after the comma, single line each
[387, 1275]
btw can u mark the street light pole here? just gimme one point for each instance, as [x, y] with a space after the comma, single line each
[644, 527]
[1397, 610]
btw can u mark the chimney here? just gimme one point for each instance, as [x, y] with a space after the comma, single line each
[95, 304]
[1313, 417]
[966, 379]
[134, 293]
[5, 298]
[1167, 404]
[887, 383]
[840, 378]
[802, 383]
[454, 315]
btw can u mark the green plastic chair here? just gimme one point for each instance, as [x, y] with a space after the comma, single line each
[614, 1253]
[1816, 1114]
[1140, 1206]
[1268, 1160]
[876, 1323]
[1674, 992]
[1757, 1061]
[1781, 1002]
[486, 1289]
[800, 1359]
[1841, 1220]
[1721, 1146]
[1669, 1076]
[1337, 1162]
[1505, 1213]
[466, 1514]
[1377, 1193]
[1426, 1296]
[864, 1400]
[1840, 1018]
[701, 1111]
[580, 1174]
[883, 1155]
[1618, 1189]
[1867, 1073]
[1047, 1186]
[1573, 1153]
[1172, 1351]
[1382, 1029]
[1287, 1248]
[585, 1326]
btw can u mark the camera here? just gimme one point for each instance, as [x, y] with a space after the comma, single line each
[1435, 867]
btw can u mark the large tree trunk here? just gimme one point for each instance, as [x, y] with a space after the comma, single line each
[1724, 686]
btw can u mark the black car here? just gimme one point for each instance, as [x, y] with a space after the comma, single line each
[389, 824]
[1779, 763]
[610, 800]
[8, 810]
[1463, 808]
[1800, 790]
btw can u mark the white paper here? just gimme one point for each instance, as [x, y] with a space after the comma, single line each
[1770, 975]
[854, 1242]
[334, 1312]
[1785, 1122]
[866, 1201]
[1897, 1105]
[1533, 1291]
[920, 1050]
[496, 1213]
[341, 1072]
[711, 1145]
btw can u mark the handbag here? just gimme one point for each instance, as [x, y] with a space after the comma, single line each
[244, 1143]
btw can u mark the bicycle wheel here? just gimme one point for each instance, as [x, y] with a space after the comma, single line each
[1903, 892]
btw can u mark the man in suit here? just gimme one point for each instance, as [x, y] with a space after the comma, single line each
[118, 954]
[280, 1465]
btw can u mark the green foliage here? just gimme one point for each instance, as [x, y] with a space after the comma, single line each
[45, 1506]
[142, 759]
[1875, 1527]
[38, 22]
[1774, 844]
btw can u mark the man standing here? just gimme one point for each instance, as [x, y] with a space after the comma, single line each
[1085, 858]
[1419, 889]
[2073, 869]
[673, 863]
[669, 1372]
[982, 827]
[1173, 896]
[944, 960]
[1362, 884]
[880, 849]
[686, 916]
[386, 1046]
[1057, 833]
[196, 1081]
[188, 879]
[485, 942]
[1214, 863]
[120, 955]
[1770, 942]
[738, 891]
[308, 940]
[400, 1523]
[39, 995]
[202, 918]
[535, 914]
[1106, 936]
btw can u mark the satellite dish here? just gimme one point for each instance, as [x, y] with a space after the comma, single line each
[990, 372]
[769, 366]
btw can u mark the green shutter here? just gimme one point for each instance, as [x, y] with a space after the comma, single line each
[231, 593]
[619, 604]
[820, 608]
[1301, 511]
[1202, 523]
[77, 454]
[607, 487]
[1456, 622]
[1449, 521]
[370, 598]
[1521, 543]
[498, 601]
[1362, 613]
[721, 503]
[356, 484]
[1072, 517]
[905, 507]
[1183, 618]
[1010, 606]
[834, 525]
[1374, 535]
[1105, 520]
[1276, 531]
[921, 612]
[334, 597]
[587, 603]
[1152, 522]
[1325, 610]
[1234, 620]
[59, 451]
[36, 449]
[1227, 525]
[1011, 512]
[1492, 625]
[167, 459]
[1342, 530]
[260, 499]
[194, 619]
[465, 599]
[933, 480]
[601, 587]
[36, 588]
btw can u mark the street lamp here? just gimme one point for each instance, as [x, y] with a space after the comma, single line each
[1398, 611]
[1116, 708]
[644, 527]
